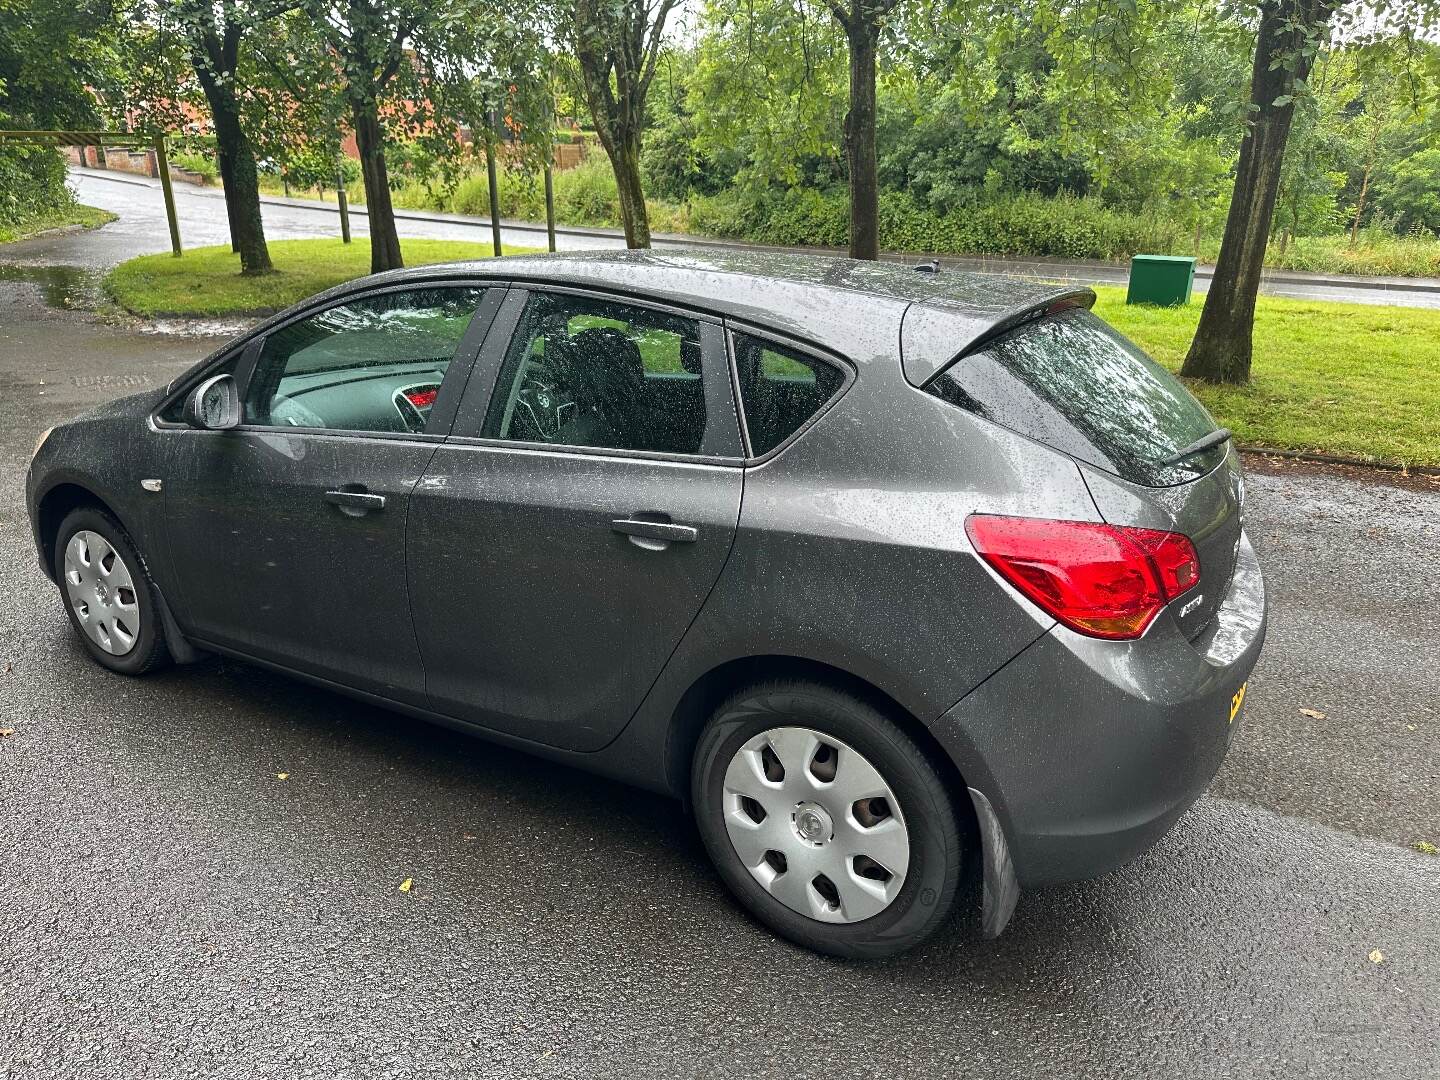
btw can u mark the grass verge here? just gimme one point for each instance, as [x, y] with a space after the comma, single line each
[1350, 379]
[207, 281]
[87, 217]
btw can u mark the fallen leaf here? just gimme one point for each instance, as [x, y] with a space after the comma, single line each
[282, 776]
[1427, 848]
[1376, 956]
[405, 885]
[6, 731]
[1314, 714]
[7, 669]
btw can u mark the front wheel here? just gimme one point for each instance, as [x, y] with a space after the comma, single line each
[826, 820]
[108, 594]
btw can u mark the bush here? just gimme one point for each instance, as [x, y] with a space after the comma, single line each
[32, 185]
[1067, 226]
[197, 162]
[315, 167]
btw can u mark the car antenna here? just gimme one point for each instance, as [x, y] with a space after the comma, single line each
[931, 267]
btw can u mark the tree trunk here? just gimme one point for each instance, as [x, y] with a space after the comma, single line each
[1223, 345]
[622, 147]
[1360, 206]
[384, 240]
[242, 183]
[625, 160]
[863, 37]
[227, 183]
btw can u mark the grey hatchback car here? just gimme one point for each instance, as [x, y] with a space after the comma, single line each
[888, 575]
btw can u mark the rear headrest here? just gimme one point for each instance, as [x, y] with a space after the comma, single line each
[690, 355]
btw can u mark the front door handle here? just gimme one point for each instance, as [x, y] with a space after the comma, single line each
[656, 530]
[355, 500]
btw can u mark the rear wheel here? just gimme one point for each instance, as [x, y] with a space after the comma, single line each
[108, 594]
[826, 820]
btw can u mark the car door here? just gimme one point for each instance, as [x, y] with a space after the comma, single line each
[566, 535]
[287, 533]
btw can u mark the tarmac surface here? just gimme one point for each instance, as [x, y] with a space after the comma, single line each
[174, 908]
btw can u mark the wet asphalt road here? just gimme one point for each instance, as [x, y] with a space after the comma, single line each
[172, 908]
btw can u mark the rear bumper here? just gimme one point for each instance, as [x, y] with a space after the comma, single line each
[1089, 750]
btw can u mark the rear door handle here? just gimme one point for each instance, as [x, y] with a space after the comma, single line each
[355, 502]
[656, 530]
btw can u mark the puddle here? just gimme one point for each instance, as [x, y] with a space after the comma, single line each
[72, 288]
[77, 288]
[218, 328]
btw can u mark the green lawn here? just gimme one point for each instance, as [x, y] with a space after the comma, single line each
[207, 281]
[1350, 379]
[85, 216]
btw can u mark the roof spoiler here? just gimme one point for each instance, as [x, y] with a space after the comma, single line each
[936, 333]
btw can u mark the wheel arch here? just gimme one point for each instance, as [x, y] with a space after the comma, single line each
[52, 508]
[705, 694]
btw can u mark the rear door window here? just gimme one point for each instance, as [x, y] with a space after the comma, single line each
[586, 372]
[780, 389]
[1075, 384]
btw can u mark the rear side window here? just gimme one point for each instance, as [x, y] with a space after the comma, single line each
[1073, 383]
[587, 372]
[780, 389]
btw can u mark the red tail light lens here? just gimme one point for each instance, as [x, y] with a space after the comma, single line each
[1108, 581]
[422, 399]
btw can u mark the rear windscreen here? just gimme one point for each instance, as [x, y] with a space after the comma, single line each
[1075, 384]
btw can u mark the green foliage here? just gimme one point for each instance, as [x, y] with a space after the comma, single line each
[317, 167]
[197, 161]
[49, 49]
[1066, 226]
[1411, 192]
[32, 186]
[674, 161]
[769, 92]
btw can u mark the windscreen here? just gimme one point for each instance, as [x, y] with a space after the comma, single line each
[1073, 383]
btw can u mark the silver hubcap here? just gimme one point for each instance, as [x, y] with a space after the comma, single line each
[101, 591]
[816, 825]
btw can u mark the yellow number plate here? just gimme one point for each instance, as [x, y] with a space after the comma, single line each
[1237, 701]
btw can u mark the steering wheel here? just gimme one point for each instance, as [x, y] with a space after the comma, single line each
[541, 406]
[287, 412]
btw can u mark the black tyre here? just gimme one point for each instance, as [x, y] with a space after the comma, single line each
[826, 820]
[107, 592]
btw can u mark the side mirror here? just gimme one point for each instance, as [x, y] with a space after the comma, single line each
[214, 405]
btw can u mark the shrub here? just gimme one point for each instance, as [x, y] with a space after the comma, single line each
[197, 162]
[32, 184]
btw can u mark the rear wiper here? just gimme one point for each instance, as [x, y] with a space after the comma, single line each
[1215, 438]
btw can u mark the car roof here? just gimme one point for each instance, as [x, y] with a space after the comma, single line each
[854, 307]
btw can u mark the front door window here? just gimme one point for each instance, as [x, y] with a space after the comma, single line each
[370, 364]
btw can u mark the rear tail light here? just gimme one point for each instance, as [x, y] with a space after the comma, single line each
[1107, 581]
